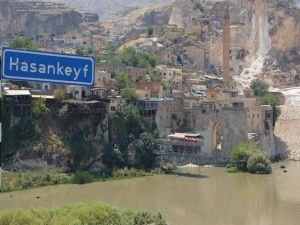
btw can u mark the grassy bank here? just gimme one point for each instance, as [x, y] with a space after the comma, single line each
[16, 181]
[77, 214]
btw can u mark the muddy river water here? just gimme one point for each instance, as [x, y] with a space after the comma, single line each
[213, 197]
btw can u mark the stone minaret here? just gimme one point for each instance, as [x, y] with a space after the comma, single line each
[226, 49]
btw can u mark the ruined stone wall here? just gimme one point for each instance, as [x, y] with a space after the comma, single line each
[232, 122]
[169, 116]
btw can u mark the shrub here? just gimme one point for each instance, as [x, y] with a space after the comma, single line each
[232, 169]
[82, 178]
[39, 108]
[130, 95]
[63, 112]
[170, 168]
[260, 87]
[258, 163]
[150, 31]
[271, 100]
[32, 179]
[125, 172]
[248, 158]
[240, 155]
[23, 43]
[92, 213]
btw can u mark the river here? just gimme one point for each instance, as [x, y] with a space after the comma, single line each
[213, 197]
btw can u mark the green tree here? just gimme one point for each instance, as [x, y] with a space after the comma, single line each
[39, 108]
[248, 158]
[113, 156]
[271, 100]
[63, 112]
[145, 148]
[23, 43]
[150, 31]
[153, 75]
[83, 50]
[130, 57]
[122, 80]
[260, 87]
[130, 95]
[258, 163]
[81, 150]
[110, 52]
[240, 155]
[134, 123]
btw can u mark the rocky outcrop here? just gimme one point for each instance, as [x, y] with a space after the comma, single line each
[260, 30]
[107, 9]
[287, 132]
[38, 18]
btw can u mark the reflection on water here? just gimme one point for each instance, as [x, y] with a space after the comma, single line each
[214, 198]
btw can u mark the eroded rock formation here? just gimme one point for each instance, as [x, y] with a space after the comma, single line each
[35, 19]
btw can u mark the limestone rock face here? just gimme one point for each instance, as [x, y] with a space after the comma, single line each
[35, 18]
[258, 29]
[109, 8]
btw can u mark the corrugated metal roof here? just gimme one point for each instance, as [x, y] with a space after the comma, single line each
[17, 92]
[43, 96]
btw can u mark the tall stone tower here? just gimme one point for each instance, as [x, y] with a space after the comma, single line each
[226, 49]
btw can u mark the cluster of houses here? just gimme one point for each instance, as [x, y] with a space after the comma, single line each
[195, 113]
[174, 110]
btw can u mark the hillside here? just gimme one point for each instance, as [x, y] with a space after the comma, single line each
[42, 17]
[106, 9]
[264, 36]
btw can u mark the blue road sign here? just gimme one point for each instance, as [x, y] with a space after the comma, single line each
[47, 67]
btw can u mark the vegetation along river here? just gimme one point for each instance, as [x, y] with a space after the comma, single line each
[214, 198]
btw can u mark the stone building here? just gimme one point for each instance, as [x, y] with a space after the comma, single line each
[116, 104]
[48, 88]
[79, 93]
[150, 90]
[259, 118]
[221, 129]
[169, 116]
[103, 79]
[135, 74]
[19, 103]
[171, 75]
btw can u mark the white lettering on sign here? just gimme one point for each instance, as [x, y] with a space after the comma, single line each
[55, 70]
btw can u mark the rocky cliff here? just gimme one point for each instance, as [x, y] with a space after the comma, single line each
[39, 18]
[265, 36]
[106, 9]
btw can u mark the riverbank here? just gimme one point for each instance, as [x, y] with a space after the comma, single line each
[213, 197]
[92, 213]
[17, 181]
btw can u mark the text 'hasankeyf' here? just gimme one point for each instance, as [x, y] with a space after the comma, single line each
[15, 64]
